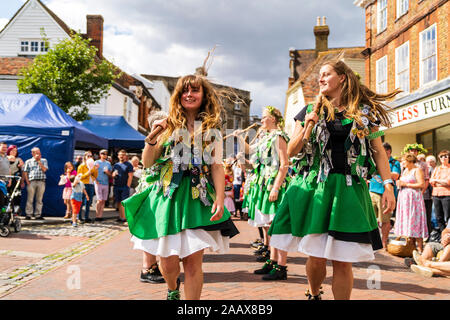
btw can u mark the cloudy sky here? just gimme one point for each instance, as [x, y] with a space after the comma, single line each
[173, 37]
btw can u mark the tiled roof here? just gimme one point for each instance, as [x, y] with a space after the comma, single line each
[12, 65]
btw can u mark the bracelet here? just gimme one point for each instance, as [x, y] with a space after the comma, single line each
[375, 135]
[148, 142]
[387, 181]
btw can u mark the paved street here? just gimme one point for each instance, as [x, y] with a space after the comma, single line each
[96, 261]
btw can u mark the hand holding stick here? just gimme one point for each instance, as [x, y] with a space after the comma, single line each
[310, 124]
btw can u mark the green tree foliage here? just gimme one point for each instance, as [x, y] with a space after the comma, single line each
[71, 75]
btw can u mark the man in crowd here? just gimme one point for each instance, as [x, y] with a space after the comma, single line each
[123, 175]
[4, 171]
[376, 189]
[104, 169]
[35, 175]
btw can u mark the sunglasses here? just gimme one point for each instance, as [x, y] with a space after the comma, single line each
[444, 156]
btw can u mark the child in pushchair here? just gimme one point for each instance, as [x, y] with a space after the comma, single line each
[9, 208]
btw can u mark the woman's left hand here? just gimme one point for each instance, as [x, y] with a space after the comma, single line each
[388, 200]
[273, 196]
[217, 211]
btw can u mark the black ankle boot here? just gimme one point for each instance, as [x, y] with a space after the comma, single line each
[267, 267]
[174, 294]
[264, 256]
[277, 273]
[311, 297]
[261, 250]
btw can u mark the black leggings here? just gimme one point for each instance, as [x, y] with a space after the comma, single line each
[442, 211]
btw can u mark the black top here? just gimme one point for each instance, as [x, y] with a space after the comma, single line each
[338, 135]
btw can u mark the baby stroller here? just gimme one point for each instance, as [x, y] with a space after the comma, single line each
[9, 211]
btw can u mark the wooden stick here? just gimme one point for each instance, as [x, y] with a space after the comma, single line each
[248, 128]
[152, 134]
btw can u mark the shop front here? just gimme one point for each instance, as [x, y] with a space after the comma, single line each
[422, 117]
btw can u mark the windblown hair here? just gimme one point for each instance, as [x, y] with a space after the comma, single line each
[354, 93]
[210, 110]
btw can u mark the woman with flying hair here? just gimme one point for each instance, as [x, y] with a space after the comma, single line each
[327, 213]
[178, 210]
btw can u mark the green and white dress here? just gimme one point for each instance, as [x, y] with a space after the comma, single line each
[326, 211]
[170, 213]
[266, 163]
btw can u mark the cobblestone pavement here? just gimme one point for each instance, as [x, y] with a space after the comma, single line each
[104, 266]
[86, 238]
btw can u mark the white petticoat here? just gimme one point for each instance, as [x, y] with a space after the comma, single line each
[184, 243]
[324, 246]
[261, 219]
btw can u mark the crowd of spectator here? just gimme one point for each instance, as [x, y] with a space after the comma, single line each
[422, 190]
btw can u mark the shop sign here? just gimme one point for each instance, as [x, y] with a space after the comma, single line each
[422, 109]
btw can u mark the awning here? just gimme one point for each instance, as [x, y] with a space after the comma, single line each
[116, 130]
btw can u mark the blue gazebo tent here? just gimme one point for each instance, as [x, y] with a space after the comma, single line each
[33, 120]
[116, 129]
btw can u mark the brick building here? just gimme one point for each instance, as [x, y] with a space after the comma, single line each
[304, 68]
[407, 47]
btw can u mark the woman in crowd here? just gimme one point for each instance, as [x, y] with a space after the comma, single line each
[89, 174]
[15, 165]
[180, 211]
[440, 180]
[327, 212]
[411, 220]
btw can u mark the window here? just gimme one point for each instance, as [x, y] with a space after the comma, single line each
[34, 46]
[44, 46]
[237, 106]
[402, 7]
[382, 16]
[402, 67]
[237, 122]
[381, 74]
[428, 55]
[24, 46]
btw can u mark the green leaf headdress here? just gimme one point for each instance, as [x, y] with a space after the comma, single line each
[415, 146]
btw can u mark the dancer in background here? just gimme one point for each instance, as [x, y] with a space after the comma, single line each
[327, 212]
[271, 164]
[180, 211]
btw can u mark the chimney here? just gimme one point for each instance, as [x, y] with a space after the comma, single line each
[94, 31]
[321, 32]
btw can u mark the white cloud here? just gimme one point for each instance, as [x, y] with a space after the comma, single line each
[173, 37]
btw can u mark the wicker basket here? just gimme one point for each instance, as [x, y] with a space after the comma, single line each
[401, 248]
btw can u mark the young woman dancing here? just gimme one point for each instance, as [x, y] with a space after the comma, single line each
[327, 212]
[180, 210]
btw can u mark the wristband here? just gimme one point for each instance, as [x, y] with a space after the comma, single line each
[387, 181]
[148, 142]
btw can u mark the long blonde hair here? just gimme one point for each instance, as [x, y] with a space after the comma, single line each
[209, 113]
[354, 93]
